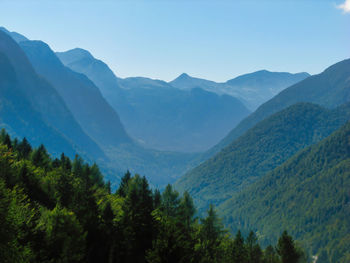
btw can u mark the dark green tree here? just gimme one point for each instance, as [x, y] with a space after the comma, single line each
[24, 148]
[286, 249]
[124, 185]
[270, 255]
[239, 253]
[211, 234]
[170, 201]
[187, 210]
[254, 252]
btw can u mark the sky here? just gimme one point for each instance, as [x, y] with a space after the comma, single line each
[216, 40]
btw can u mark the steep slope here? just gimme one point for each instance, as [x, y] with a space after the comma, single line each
[44, 99]
[19, 117]
[90, 109]
[259, 150]
[253, 89]
[15, 36]
[331, 88]
[170, 119]
[82, 61]
[158, 115]
[308, 195]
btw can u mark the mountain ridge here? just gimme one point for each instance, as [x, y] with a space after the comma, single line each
[262, 148]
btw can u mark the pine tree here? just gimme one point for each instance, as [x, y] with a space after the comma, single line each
[254, 252]
[211, 234]
[286, 249]
[124, 185]
[24, 148]
[239, 253]
[170, 201]
[270, 255]
[187, 210]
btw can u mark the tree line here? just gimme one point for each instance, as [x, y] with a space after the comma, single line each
[61, 210]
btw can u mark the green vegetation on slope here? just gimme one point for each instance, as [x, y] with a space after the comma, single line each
[259, 150]
[58, 210]
[330, 89]
[308, 194]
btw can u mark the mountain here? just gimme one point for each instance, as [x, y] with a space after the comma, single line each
[14, 35]
[35, 104]
[260, 86]
[253, 89]
[33, 108]
[330, 88]
[158, 115]
[308, 195]
[82, 61]
[19, 117]
[261, 149]
[83, 98]
[185, 81]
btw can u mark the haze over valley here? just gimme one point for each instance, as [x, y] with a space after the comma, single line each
[99, 163]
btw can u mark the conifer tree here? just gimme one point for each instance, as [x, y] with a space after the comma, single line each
[286, 249]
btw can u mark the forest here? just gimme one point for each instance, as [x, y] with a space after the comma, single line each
[61, 210]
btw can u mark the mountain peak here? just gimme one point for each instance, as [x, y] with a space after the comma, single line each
[74, 55]
[82, 52]
[183, 76]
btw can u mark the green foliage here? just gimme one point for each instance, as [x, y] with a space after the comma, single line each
[286, 249]
[260, 150]
[58, 210]
[308, 195]
[63, 236]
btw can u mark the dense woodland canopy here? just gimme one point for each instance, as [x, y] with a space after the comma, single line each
[61, 210]
[308, 194]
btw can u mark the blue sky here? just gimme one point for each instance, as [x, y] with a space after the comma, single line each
[217, 40]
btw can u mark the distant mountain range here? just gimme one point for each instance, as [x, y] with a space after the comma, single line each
[252, 89]
[267, 137]
[278, 169]
[38, 111]
[158, 115]
[329, 88]
[83, 98]
[42, 111]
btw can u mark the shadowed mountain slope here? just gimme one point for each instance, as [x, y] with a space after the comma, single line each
[45, 110]
[330, 89]
[82, 97]
[261, 149]
[158, 115]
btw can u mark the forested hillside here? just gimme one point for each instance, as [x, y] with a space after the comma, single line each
[330, 89]
[59, 210]
[261, 149]
[308, 194]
